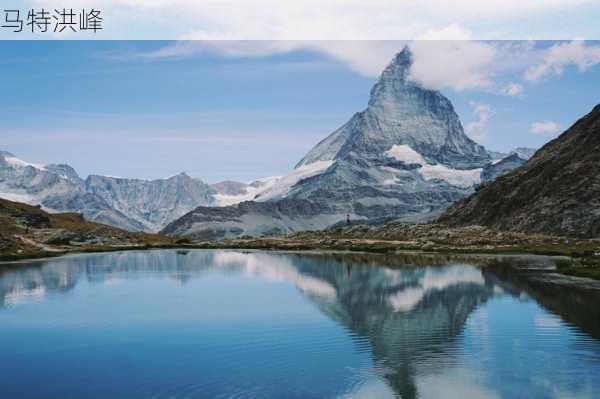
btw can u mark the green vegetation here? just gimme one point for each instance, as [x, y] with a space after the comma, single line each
[583, 267]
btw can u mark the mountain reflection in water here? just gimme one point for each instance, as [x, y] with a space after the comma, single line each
[428, 322]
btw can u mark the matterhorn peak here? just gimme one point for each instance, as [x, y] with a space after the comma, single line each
[400, 65]
[394, 76]
[402, 112]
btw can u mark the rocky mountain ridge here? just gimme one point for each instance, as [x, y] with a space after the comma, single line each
[557, 191]
[131, 204]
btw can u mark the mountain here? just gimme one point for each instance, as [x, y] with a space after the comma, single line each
[252, 218]
[405, 156]
[500, 167]
[131, 204]
[401, 112]
[232, 192]
[152, 203]
[57, 188]
[522, 152]
[503, 163]
[557, 191]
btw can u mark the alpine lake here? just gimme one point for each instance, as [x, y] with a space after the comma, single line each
[250, 324]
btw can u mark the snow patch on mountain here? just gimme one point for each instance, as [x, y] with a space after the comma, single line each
[404, 153]
[459, 178]
[19, 163]
[16, 197]
[390, 182]
[456, 177]
[249, 192]
[281, 187]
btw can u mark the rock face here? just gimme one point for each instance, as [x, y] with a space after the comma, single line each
[557, 191]
[252, 218]
[523, 152]
[229, 187]
[405, 156]
[152, 203]
[57, 188]
[131, 204]
[495, 169]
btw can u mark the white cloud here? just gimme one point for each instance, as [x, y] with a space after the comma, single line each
[450, 32]
[458, 63]
[482, 113]
[473, 63]
[318, 19]
[444, 59]
[368, 58]
[544, 127]
[512, 89]
[227, 48]
[557, 57]
[465, 64]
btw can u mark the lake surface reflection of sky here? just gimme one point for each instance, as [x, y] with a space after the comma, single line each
[162, 324]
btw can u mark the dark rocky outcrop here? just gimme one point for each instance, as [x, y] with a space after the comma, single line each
[28, 231]
[557, 191]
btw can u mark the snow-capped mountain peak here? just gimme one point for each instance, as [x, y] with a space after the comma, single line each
[19, 163]
[401, 112]
[405, 156]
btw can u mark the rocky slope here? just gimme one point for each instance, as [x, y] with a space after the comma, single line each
[252, 218]
[557, 191]
[405, 156]
[27, 231]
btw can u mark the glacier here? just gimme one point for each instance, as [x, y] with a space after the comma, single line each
[461, 178]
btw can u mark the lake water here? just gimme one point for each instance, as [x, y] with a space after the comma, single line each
[226, 324]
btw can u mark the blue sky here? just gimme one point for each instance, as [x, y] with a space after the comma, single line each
[133, 109]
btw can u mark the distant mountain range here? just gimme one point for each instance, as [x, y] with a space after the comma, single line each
[557, 191]
[405, 157]
[132, 204]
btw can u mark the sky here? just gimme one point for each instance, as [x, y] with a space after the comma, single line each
[241, 110]
[325, 19]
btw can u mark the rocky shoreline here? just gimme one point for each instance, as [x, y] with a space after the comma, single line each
[582, 257]
[29, 233]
